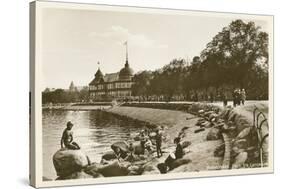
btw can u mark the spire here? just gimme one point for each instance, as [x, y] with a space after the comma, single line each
[127, 61]
[98, 65]
[72, 87]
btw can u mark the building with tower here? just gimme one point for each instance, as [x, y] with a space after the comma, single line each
[112, 85]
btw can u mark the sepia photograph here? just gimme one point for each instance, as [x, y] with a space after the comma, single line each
[137, 94]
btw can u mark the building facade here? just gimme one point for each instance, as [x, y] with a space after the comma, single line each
[112, 86]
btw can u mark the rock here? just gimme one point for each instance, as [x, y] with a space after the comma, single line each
[151, 167]
[219, 121]
[109, 156]
[237, 150]
[199, 130]
[240, 160]
[219, 151]
[179, 162]
[185, 143]
[121, 145]
[138, 149]
[225, 113]
[232, 115]
[244, 133]
[135, 170]
[67, 162]
[184, 128]
[93, 170]
[109, 170]
[162, 168]
[213, 116]
[214, 134]
[114, 169]
[208, 113]
[219, 125]
[151, 170]
[75, 175]
[241, 143]
[206, 124]
[137, 138]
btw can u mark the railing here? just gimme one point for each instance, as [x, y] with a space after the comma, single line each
[260, 121]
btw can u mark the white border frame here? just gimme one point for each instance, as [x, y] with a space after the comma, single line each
[36, 127]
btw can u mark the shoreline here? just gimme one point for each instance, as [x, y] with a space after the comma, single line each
[200, 151]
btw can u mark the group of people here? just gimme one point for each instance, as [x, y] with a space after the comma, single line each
[239, 97]
[149, 140]
[146, 140]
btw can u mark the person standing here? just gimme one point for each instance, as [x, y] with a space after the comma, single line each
[158, 139]
[234, 96]
[239, 97]
[142, 141]
[243, 96]
[224, 99]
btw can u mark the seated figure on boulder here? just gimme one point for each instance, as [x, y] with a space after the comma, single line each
[179, 149]
[131, 156]
[120, 153]
[67, 138]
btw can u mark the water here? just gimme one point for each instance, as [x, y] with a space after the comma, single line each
[94, 131]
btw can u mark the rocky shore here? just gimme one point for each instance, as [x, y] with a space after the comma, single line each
[213, 138]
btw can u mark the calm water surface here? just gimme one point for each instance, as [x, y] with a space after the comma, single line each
[94, 131]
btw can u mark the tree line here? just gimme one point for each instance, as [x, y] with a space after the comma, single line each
[65, 96]
[237, 57]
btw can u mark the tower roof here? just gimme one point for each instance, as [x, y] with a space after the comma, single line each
[98, 78]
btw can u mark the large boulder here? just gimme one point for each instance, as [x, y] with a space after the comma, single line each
[109, 156]
[112, 169]
[151, 167]
[67, 162]
[134, 170]
[121, 145]
[185, 143]
[179, 162]
[138, 150]
[214, 134]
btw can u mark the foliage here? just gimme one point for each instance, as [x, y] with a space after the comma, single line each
[64, 96]
[237, 57]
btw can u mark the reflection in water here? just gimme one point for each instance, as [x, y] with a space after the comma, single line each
[94, 131]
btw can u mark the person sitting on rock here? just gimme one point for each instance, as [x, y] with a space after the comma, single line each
[158, 140]
[179, 149]
[120, 153]
[131, 149]
[67, 138]
[148, 145]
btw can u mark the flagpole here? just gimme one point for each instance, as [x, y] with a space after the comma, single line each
[126, 51]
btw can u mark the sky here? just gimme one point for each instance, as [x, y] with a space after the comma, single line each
[73, 41]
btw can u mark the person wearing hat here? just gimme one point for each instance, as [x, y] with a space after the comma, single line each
[67, 138]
